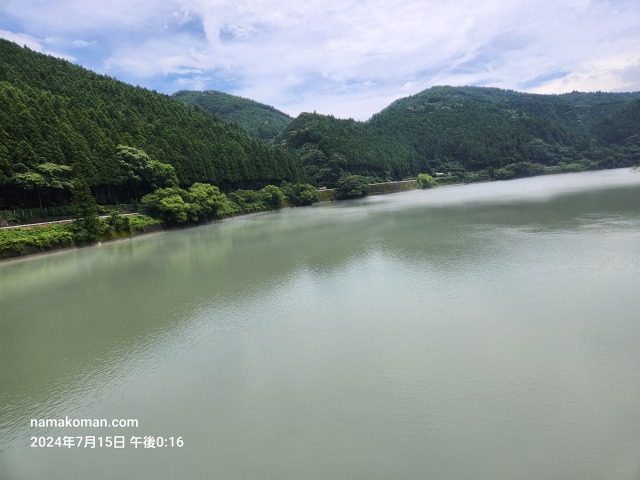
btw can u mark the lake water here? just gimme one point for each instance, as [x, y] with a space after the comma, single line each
[487, 331]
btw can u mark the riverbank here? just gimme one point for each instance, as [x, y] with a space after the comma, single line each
[55, 238]
[19, 242]
[26, 241]
[34, 252]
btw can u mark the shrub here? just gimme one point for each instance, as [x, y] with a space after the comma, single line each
[425, 181]
[119, 223]
[87, 227]
[247, 200]
[141, 223]
[272, 197]
[168, 205]
[352, 186]
[519, 170]
[299, 194]
[176, 206]
[18, 240]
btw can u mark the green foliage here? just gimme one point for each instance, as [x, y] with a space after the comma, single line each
[257, 119]
[300, 194]
[352, 186]
[119, 223]
[566, 168]
[246, 201]
[207, 201]
[175, 206]
[86, 227]
[425, 181]
[142, 223]
[58, 120]
[471, 132]
[53, 112]
[272, 197]
[519, 170]
[162, 175]
[168, 205]
[472, 177]
[203, 202]
[20, 241]
[138, 168]
[28, 180]
[47, 176]
[269, 198]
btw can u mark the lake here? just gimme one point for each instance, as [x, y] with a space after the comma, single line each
[475, 332]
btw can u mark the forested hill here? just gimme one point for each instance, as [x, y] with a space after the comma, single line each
[260, 120]
[59, 121]
[471, 132]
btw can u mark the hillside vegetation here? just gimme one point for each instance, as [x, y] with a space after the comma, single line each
[59, 121]
[259, 120]
[472, 132]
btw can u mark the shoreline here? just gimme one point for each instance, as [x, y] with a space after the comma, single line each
[54, 251]
[161, 229]
[154, 231]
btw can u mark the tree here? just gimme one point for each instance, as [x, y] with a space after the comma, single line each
[175, 206]
[247, 200]
[168, 205]
[207, 201]
[50, 176]
[87, 227]
[162, 175]
[273, 197]
[29, 181]
[352, 186]
[299, 194]
[139, 168]
[119, 223]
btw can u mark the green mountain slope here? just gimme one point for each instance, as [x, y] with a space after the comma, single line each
[59, 121]
[258, 119]
[472, 130]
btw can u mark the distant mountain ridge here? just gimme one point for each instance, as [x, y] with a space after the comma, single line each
[472, 130]
[257, 119]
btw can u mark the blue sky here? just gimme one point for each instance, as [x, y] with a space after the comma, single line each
[349, 58]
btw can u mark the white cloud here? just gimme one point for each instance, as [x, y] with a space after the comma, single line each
[84, 43]
[618, 73]
[23, 40]
[397, 44]
[33, 43]
[354, 56]
[160, 56]
[89, 15]
[196, 82]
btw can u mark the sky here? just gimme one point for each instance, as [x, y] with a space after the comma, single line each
[348, 58]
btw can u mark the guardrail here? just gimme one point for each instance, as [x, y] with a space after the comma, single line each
[40, 224]
[67, 220]
[25, 213]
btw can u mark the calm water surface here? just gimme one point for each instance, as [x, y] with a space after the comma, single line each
[478, 332]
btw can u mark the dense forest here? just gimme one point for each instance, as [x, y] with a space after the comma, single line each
[59, 121]
[257, 119]
[472, 133]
